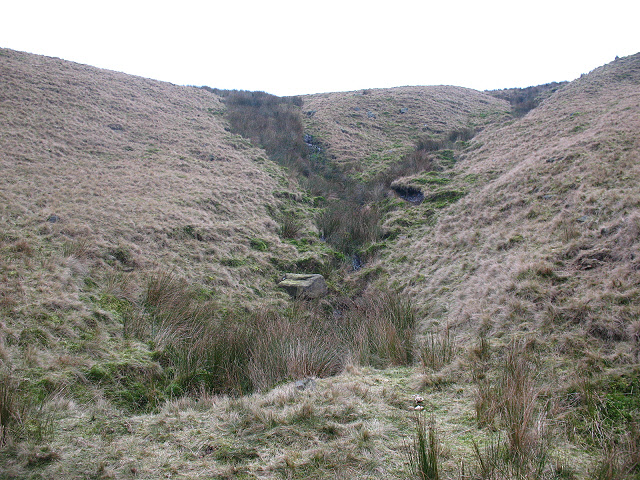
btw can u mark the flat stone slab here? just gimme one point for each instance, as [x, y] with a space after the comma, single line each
[305, 285]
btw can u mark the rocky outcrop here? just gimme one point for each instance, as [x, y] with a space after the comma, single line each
[304, 285]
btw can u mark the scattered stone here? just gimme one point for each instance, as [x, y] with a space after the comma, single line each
[304, 285]
[606, 231]
[356, 262]
[308, 383]
[583, 219]
[116, 127]
[53, 219]
[371, 115]
[404, 110]
[310, 113]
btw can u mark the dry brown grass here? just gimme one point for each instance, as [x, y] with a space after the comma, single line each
[96, 162]
[364, 134]
[534, 232]
[536, 192]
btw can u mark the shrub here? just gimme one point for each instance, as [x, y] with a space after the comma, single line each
[271, 122]
[350, 227]
[523, 100]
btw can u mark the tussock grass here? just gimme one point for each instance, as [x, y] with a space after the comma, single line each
[237, 352]
[541, 244]
[133, 145]
[21, 417]
[425, 451]
[437, 350]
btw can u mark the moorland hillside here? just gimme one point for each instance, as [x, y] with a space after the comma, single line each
[364, 132]
[482, 265]
[125, 172]
[544, 236]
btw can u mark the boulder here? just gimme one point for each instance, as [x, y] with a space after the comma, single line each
[305, 285]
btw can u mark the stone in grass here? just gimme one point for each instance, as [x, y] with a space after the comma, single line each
[307, 383]
[304, 285]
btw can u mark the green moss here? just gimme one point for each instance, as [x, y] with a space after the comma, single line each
[131, 380]
[259, 244]
[303, 244]
[98, 373]
[622, 401]
[443, 198]
[447, 155]
[174, 390]
[235, 454]
[33, 336]
[119, 306]
[432, 178]
[233, 262]
[471, 178]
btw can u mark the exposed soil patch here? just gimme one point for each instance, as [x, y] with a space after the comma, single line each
[410, 194]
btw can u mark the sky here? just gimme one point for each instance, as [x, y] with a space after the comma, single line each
[287, 47]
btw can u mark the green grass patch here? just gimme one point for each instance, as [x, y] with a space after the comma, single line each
[444, 198]
[259, 244]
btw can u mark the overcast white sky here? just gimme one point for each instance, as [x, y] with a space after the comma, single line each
[288, 47]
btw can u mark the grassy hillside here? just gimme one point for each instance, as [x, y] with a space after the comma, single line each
[541, 243]
[136, 173]
[491, 332]
[555, 190]
[364, 132]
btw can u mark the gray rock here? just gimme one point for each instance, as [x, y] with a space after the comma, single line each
[305, 384]
[371, 115]
[304, 285]
[404, 110]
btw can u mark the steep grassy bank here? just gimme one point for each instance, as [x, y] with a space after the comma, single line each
[542, 244]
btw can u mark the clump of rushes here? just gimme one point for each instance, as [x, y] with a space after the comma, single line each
[207, 347]
[424, 451]
[437, 350]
